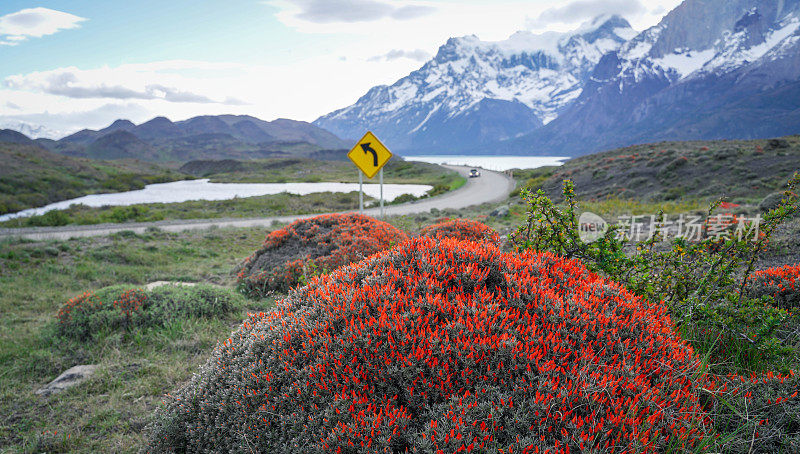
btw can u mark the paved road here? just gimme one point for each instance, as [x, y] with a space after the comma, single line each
[489, 187]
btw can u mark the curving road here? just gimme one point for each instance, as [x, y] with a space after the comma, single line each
[489, 187]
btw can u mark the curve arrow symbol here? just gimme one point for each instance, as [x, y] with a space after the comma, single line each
[367, 149]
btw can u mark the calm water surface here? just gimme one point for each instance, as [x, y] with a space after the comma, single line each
[181, 191]
[498, 163]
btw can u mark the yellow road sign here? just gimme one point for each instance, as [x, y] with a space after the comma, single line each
[369, 154]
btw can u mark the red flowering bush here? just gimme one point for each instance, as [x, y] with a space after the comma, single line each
[444, 346]
[781, 283]
[462, 229]
[120, 307]
[308, 247]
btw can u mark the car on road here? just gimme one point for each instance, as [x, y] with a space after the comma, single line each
[474, 173]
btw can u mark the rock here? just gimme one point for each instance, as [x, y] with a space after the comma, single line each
[69, 378]
[155, 284]
[777, 143]
[500, 212]
[771, 201]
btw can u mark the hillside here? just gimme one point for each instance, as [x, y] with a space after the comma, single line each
[32, 176]
[708, 70]
[476, 92]
[203, 137]
[290, 170]
[744, 171]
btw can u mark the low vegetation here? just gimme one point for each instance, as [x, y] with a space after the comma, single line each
[309, 247]
[742, 171]
[463, 230]
[138, 364]
[555, 343]
[283, 204]
[299, 170]
[780, 283]
[449, 346]
[32, 176]
[703, 286]
[123, 308]
[278, 170]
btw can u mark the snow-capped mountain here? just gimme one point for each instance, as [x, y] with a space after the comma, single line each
[711, 69]
[475, 92]
[31, 130]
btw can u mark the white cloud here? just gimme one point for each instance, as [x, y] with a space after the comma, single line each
[580, 10]
[34, 23]
[349, 11]
[126, 82]
[394, 54]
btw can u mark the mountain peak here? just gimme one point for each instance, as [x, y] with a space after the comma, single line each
[611, 26]
[122, 123]
[491, 88]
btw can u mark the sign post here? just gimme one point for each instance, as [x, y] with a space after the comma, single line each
[360, 192]
[369, 155]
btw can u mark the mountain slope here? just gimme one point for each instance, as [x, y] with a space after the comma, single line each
[32, 176]
[475, 92]
[708, 70]
[11, 136]
[203, 137]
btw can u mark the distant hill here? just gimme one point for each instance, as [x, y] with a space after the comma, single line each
[11, 136]
[121, 144]
[741, 170]
[31, 176]
[203, 137]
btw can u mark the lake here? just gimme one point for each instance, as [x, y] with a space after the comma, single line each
[498, 163]
[182, 191]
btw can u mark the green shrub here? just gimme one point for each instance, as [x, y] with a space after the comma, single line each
[737, 324]
[698, 281]
[122, 307]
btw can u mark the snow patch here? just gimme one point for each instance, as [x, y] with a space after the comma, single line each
[773, 40]
[685, 63]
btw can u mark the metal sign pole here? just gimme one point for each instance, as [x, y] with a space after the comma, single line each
[381, 173]
[360, 192]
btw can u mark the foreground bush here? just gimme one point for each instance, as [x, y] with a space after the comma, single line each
[462, 229]
[781, 283]
[120, 307]
[308, 247]
[444, 346]
[703, 283]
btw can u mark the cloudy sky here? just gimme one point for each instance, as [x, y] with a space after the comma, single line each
[72, 64]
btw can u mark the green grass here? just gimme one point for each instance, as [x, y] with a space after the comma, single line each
[743, 171]
[282, 170]
[31, 176]
[292, 170]
[137, 367]
[249, 207]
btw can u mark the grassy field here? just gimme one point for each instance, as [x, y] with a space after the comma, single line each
[291, 170]
[108, 413]
[283, 170]
[249, 207]
[136, 368]
[31, 176]
[743, 171]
